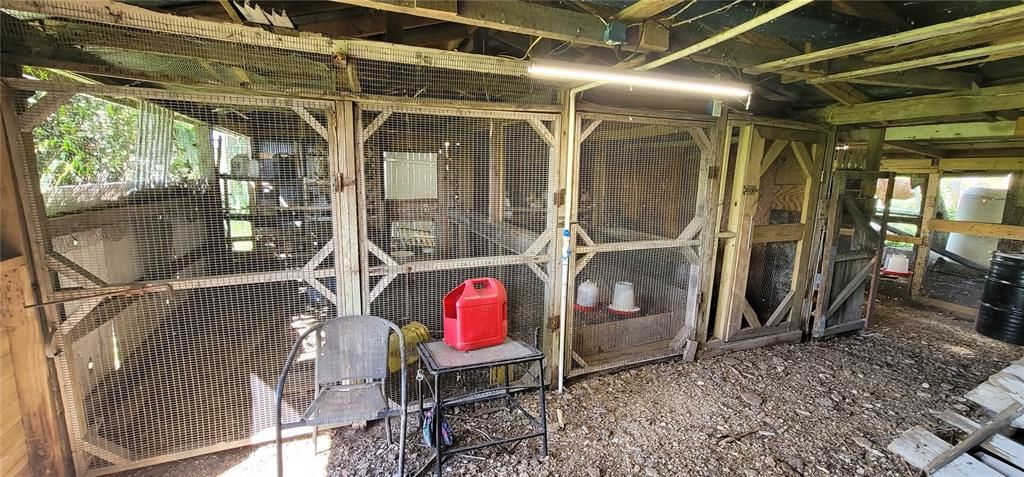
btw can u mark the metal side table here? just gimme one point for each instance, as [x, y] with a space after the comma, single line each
[439, 359]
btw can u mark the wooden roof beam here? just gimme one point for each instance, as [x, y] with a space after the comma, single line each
[644, 9]
[981, 100]
[945, 43]
[738, 54]
[950, 131]
[1013, 49]
[956, 26]
[520, 17]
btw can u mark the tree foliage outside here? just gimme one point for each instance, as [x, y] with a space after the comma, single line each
[87, 140]
[90, 140]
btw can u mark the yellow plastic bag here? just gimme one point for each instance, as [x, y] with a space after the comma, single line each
[414, 333]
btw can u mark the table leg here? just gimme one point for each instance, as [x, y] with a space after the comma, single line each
[438, 416]
[508, 396]
[419, 389]
[543, 414]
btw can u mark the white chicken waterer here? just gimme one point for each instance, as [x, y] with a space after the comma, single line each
[897, 265]
[623, 299]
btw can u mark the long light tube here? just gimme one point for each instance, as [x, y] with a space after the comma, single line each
[570, 71]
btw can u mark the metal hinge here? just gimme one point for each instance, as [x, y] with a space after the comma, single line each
[340, 183]
[554, 322]
[559, 198]
[750, 189]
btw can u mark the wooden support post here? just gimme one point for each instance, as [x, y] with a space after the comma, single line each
[921, 251]
[736, 259]
[1013, 211]
[47, 436]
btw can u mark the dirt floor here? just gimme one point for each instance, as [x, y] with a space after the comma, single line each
[812, 409]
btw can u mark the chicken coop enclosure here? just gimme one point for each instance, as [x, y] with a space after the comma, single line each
[217, 228]
[641, 222]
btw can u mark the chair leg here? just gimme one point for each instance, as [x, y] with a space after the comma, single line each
[387, 429]
[403, 420]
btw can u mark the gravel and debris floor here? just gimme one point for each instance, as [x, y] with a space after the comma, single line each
[812, 409]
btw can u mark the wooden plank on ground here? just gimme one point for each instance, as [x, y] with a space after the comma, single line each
[999, 445]
[918, 447]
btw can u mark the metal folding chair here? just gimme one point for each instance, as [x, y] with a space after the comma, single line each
[351, 378]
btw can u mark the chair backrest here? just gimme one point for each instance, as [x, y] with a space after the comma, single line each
[352, 347]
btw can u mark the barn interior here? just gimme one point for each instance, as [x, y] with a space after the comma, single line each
[188, 186]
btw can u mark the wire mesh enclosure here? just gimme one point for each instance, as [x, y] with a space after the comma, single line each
[125, 41]
[451, 195]
[184, 242]
[640, 238]
[903, 234]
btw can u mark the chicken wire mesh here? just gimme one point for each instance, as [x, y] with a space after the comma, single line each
[641, 183]
[906, 207]
[453, 195]
[958, 261]
[187, 239]
[440, 185]
[638, 180]
[171, 372]
[156, 189]
[781, 196]
[122, 41]
[604, 337]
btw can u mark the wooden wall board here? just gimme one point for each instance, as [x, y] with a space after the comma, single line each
[43, 428]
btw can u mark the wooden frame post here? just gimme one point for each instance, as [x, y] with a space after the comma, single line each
[921, 251]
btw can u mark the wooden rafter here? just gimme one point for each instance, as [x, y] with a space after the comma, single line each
[520, 17]
[945, 43]
[1004, 50]
[995, 98]
[644, 9]
[956, 26]
[735, 53]
[1001, 130]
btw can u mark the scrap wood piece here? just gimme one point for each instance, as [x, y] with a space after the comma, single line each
[1000, 466]
[974, 439]
[994, 399]
[999, 445]
[919, 447]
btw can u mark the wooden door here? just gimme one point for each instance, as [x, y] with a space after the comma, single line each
[854, 243]
[772, 210]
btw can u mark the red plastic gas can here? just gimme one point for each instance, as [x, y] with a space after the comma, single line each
[476, 314]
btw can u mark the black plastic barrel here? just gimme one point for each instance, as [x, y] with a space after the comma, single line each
[1001, 314]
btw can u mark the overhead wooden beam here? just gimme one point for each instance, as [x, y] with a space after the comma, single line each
[980, 100]
[920, 78]
[735, 53]
[371, 24]
[956, 26]
[925, 166]
[644, 9]
[1014, 48]
[872, 10]
[914, 147]
[950, 131]
[945, 43]
[518, 17]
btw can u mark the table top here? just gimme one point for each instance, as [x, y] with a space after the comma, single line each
[439, 357]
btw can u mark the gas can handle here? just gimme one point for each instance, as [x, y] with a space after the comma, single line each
[486, 282]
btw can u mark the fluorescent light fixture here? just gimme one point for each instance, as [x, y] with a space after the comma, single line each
[570, 71]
